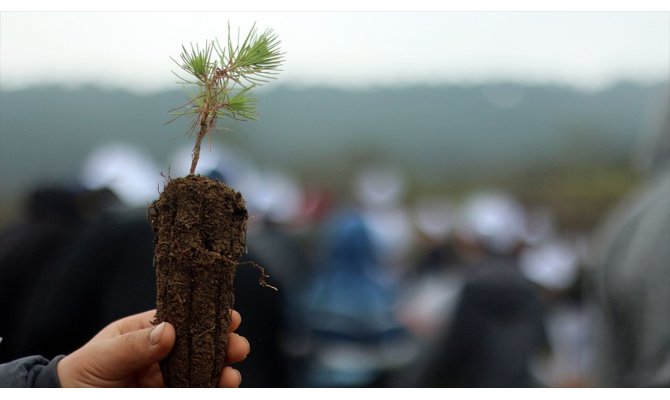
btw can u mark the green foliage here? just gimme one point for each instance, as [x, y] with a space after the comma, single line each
[221, 78]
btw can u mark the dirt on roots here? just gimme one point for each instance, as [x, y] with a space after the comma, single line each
[200, 232]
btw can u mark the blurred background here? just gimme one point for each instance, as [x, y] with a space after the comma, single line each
[431, 192]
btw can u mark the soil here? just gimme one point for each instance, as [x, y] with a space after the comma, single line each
[200, 232]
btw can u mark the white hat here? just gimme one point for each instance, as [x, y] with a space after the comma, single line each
[126, 170]
[493, 219]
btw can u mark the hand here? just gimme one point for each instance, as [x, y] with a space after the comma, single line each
[127, 351]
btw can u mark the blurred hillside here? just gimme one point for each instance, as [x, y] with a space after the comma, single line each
[546, 143]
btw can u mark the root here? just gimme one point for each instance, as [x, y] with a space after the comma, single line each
[167, 178]
[204, 332]
[262, 280]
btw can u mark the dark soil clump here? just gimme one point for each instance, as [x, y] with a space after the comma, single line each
[200, 228]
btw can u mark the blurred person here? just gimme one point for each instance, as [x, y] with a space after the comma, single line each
[53, 218]
[497, 326]
[496, 331]
[352, 335]
[631, 270]
[430, 288]
[105, 271]
[555, 267]
[123, 354]
[379, 190]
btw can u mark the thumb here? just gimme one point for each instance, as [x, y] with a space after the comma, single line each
[137, 350]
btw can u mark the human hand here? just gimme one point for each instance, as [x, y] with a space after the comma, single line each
[127, 351]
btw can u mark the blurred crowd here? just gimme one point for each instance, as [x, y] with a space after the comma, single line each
[375, 290]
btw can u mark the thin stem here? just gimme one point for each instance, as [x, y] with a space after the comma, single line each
[198, 141]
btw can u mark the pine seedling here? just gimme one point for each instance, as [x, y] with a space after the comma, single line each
[220, 79]
[200, 223]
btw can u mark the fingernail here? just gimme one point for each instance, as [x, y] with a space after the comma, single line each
[156, 333]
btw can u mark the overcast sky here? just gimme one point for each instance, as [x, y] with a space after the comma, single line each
[350, 49]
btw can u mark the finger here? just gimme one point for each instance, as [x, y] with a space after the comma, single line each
[230, 378]
[137, 350]
[128, 324]
[136, 322]
[235, 321]
[152, 377]
[238, 348]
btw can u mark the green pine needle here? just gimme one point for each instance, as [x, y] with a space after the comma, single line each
[222, 78]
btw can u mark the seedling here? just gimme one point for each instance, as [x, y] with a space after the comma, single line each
[200, 223]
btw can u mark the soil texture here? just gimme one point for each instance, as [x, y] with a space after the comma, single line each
[200, 233]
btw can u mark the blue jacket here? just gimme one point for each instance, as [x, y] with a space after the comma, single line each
[32, 371]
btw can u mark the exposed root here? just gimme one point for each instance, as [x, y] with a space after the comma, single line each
[262, 280]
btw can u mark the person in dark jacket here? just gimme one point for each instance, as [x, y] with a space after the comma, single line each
[124, 354]
[631, 270]
[496, 328]
[105, 274]
[51, 220]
